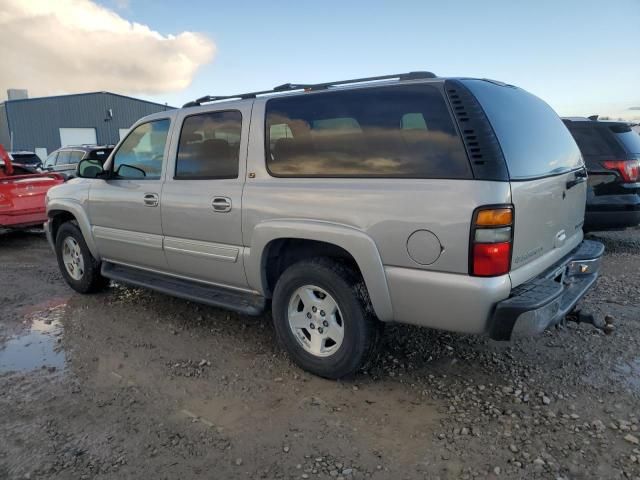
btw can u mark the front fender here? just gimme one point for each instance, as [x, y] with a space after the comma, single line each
[76, 209]
[357, 243]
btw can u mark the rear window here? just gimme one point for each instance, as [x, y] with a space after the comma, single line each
[401, 132]
[101, 154]
[592, 141]
[26, 158]
[629, 138]
[534, 140]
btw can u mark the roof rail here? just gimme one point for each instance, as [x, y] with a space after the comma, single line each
[289, 87]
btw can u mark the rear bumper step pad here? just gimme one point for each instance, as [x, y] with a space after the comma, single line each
[545, 300]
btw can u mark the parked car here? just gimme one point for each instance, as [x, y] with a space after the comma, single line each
[22, 194]
[65, 160]
[611, 152]
[27, 160]
[344, 205]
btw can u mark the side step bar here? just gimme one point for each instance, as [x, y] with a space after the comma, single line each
[197, 292]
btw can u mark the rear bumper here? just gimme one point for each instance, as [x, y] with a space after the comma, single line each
[23, 219]
[545, 300]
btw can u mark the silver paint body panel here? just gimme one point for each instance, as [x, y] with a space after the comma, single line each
[370, 218]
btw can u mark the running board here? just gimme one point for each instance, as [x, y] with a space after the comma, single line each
[240, 302]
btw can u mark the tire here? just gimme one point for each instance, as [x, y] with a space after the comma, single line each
[298, 290]
[84, 274]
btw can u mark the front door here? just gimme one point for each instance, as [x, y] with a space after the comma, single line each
[125, 209]
[202, 197]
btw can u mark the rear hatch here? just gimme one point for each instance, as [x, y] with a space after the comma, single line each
[546, 172]
[610, 151]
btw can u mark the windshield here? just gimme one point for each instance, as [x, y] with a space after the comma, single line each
[534, 141]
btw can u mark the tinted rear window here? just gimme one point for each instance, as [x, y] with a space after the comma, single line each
[592, 141]
[629, 138]
[534, 140]
[403, 132]
[26, 158]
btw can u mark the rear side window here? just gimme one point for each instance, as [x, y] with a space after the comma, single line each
[389, 132]
[534, 141]
[75, 156]
[591, 141]
[209, 146]
[64, 157]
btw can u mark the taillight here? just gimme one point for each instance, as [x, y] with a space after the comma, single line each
[629, 170]
[491, 241]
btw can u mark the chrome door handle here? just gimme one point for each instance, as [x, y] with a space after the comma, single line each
[151, 199]
[221, 204]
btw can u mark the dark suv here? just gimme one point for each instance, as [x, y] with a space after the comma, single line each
[611, 152]
[66, 159]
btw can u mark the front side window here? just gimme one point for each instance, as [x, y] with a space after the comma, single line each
[388, 132]
[51, 160]
[140, 156]
[209, 146]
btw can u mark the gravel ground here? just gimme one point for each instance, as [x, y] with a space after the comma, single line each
[133, 384]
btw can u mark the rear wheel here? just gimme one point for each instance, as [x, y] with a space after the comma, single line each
[79, 269]
[323, 318]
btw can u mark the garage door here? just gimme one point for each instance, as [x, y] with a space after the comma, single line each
[77, 136]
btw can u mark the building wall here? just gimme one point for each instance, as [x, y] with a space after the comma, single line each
[5, 139]
[35, 123]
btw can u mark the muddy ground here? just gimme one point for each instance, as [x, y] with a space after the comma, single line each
[133, 384]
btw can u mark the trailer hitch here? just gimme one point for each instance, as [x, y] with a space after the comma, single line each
[605, 324]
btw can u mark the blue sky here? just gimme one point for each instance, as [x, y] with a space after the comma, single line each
[580, 56]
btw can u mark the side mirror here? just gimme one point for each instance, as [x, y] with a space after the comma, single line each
[129, 171]
[89, 168]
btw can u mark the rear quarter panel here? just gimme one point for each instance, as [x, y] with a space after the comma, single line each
[387, 210]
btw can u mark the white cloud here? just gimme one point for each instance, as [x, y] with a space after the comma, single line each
[69, 46]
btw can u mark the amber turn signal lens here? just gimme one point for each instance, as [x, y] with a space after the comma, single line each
[494, 217]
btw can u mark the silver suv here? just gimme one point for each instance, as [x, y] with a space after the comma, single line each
[448, 203]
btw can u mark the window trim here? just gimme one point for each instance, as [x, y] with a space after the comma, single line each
[114, 153]
[208, 177]
[437, 87]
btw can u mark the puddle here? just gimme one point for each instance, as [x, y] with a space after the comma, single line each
[630, 372]
[38, 347]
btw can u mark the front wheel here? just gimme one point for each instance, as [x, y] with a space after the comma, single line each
[323, 318]
[79, 269]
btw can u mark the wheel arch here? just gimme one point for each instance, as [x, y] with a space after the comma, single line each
[311, 239]
[61, 211]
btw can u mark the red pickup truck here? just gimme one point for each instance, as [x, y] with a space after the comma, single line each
[22, 194]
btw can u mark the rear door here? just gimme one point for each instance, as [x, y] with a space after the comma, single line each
[202, 195]
[547, 175]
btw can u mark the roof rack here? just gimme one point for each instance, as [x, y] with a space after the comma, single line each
[288, 87]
